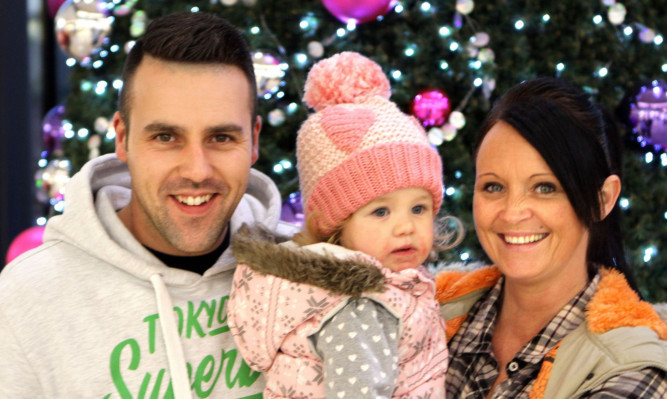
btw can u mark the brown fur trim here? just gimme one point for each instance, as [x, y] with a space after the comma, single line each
[616, 305]
[455, 284]
[259, 249]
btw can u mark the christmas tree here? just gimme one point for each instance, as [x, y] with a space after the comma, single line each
[447, 62]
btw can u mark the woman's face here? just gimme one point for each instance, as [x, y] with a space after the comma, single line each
[523, 218]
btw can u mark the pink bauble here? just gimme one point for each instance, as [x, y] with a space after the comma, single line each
[26, 240]
[358, 11]
[52, 6]
[431, 107]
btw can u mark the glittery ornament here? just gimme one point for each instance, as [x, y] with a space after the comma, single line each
[292, 209]
[358, 11]
[138, 23]
[315, 49]
[94, 143]
[465, 7]
[616, 14]
[431, 107]
[646, 35]
[51, 179]
[276, 117]
[269, 72]
[480, 39]
[648, 113]
[449, 131]
[435, 136]
[81, 28]
[124, 9]
[457, 119]
[486, 55]
[53, 131]
[101, 124]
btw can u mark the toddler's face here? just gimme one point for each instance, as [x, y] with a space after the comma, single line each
[396, 228]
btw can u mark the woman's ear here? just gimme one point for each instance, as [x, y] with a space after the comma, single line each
[611, 189]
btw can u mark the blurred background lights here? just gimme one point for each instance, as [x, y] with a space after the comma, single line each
[518, 25]
[453, 46]
[426, 6]
[648, 158]
[445, 31]
[546, 17]
[597, 20]
[602, 72]
[465, 256]
[254, 30]
[627, 30]
[658, 40]
[560, 66]
[450, 191]
[649, 252]
[624, 203]
[396, 74]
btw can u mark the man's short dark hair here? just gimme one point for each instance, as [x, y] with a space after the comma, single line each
[189, 38]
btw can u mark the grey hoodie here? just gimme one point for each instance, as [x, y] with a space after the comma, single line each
[86, 315]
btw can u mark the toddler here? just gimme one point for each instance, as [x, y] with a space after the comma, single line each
[346, 309]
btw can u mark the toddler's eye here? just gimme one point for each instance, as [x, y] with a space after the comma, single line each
[418, 209]
[381, 212]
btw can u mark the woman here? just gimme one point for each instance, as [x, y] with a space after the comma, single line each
[559, 314]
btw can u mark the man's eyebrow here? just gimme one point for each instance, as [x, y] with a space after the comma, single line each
[161, 127]
[227, 128]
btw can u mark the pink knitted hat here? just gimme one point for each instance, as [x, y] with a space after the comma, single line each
[358, 145]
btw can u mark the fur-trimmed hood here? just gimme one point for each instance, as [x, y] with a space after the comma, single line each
[613, 305]
[333, 268]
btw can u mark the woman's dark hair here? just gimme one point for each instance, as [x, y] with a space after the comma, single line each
[190, 38]
[580, 143]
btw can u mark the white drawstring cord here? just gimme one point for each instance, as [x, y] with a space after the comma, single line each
[179, 373]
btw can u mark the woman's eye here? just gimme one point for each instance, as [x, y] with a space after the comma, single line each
[545, 188]
[381, 212]
[492, 188]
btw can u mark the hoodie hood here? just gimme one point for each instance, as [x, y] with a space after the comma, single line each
[102, 187]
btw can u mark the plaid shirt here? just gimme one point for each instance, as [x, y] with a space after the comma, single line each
[473, 368]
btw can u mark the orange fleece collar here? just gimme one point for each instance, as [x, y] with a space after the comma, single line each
[613, 305]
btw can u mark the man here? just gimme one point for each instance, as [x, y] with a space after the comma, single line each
[127, 296]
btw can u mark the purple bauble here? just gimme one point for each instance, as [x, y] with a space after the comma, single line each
[53, 131]
[648, 113]
[431, 107]
[358, 11]
[292, 210]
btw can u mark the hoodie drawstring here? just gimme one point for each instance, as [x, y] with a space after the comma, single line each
[179, 374]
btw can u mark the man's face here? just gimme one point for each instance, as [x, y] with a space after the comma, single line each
[189, 152]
